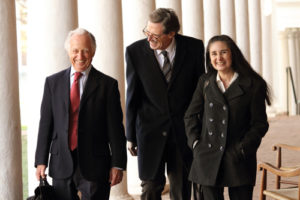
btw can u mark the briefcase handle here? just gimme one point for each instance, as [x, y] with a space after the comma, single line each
[43, 181]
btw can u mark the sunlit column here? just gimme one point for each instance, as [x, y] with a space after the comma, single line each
[104, 19]
[10, 126]
[297, 45]
[49, 22]
[282, 62]
[242, 27]
[267, 51]
[192, 18]
[293, 64]
[135, 17]
[255, 35]
[174, 4]
[227, 18]
[212, 26]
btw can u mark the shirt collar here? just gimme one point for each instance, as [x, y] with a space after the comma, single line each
[220, 83]
[84, 73]
[170, 49]
[235, 75]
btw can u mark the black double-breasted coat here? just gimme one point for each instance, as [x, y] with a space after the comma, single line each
[155, 109]
[229, 127]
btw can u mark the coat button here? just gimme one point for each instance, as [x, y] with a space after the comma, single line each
[224, 108]
[221, 148]
[199, 116]
[223, 121]
[211, 104]
[210, 133]
[222, 135]
[164, 133]
[209, 145]
[211, 119]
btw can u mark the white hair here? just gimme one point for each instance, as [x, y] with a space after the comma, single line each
[80, 31]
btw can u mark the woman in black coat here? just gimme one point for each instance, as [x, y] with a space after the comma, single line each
[226, 121]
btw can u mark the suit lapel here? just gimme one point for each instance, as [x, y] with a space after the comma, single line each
[179, 58]
[237, 88]
[91, 84]
[66, 88]
[214, 91]
[152, 63]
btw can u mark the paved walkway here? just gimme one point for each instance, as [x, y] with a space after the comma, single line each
[282, 129]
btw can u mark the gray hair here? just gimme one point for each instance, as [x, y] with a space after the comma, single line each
[80, 31]
[167, 17]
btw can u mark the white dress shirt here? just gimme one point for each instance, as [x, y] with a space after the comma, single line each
[171, 49]
[220, 83]
[82, 79]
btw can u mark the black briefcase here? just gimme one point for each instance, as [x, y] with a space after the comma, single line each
[44, 191]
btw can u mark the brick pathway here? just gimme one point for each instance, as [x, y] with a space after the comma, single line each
[282, 129]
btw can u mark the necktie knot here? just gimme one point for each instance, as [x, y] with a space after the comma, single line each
[165, 54]
[77, 76]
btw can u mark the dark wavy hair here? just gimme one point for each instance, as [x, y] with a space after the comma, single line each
[167, 17]
[239, 62]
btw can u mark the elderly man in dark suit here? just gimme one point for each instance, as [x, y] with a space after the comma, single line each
[81, 126]
[162, 74]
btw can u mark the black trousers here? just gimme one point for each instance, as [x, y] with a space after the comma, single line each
[177, 171]
[67, 189]
[235, 193]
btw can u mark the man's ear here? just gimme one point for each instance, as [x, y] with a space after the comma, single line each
[171, 34]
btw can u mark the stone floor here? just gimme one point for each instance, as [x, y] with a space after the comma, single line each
[282, 129]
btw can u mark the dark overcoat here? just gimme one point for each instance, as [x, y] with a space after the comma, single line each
[101, 137]
[155, 109]
[229, 128]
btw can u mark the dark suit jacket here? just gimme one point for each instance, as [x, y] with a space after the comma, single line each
[229, 128]
[101, 137]
[155, 109]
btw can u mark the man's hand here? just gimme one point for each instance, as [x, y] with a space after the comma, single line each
[132, 147]
[115, 176]
[40, 171]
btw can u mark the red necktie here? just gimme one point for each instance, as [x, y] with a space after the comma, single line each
[74, 110]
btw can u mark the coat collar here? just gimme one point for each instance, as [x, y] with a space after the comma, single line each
[236, 89]
[91, 84]
[66, 88]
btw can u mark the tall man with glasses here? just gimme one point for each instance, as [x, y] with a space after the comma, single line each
[162, 73]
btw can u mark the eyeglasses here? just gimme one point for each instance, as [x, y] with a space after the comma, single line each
[154, 37]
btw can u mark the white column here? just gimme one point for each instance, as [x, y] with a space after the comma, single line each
[104, 19]
[242, 27]
[293, 64]
[267, 64]
[255, 35]
[227, 18]
[135, 17]
[212, 26]
[174, 4]
[10, 125]
[192, 18]
[49, 22]
[297, 44]
[281, 82]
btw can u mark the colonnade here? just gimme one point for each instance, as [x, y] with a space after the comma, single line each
[115, 24]
[289, 49]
